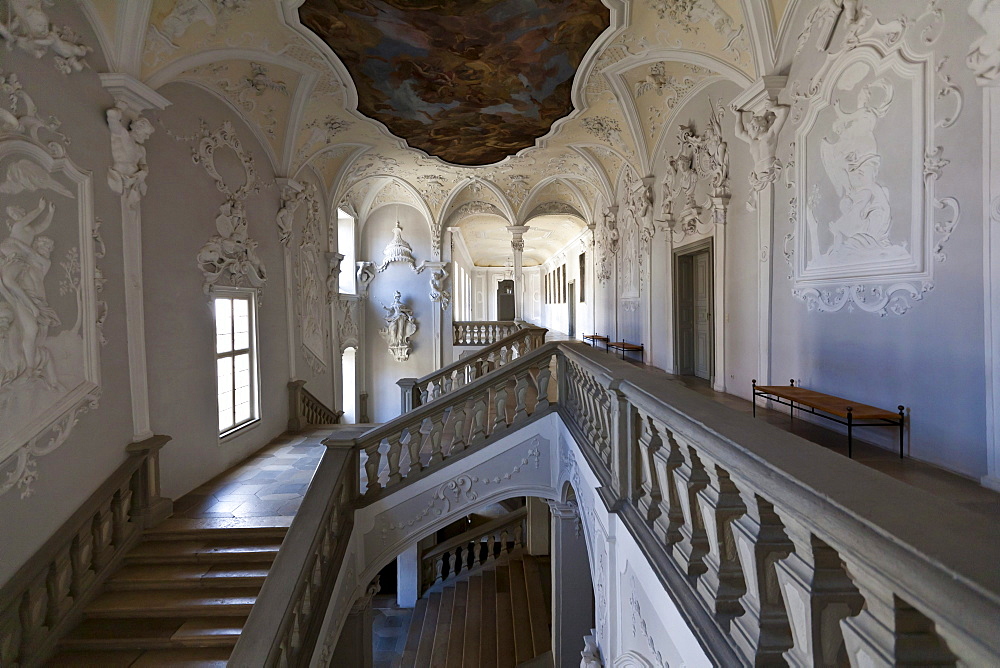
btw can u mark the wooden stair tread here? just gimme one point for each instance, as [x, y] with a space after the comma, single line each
[191, 657]
[409, 658]
[131, 633]
[488, 625]
[538, 613]
[505, 623]
[179, 529]
[473, 622]
[215, 551]
[172, 602]
[523, 649]
[426, 647]
[456, 643]
[442, 630]
[186, 575]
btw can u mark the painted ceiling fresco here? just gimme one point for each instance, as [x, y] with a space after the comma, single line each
[470, 82]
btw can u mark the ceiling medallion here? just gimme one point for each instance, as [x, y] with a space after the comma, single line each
[468, 82]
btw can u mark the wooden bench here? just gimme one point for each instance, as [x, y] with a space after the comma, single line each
[837, 409]
[597, 338]
[625, 346]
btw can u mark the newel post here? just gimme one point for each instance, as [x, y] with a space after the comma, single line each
[296, 416]
[151, 507]
[409, 395]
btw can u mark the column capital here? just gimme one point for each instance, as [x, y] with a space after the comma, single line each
[568, 510]
[128, 90]
[761, 95]
[517, 230]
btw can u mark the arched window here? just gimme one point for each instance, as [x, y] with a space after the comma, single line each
[350, 385]
[345, 246]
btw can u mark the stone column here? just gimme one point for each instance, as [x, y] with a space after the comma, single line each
[441, 299]
[537, 541]
[517, 245]
[759, 120]
[291, 199]
[127, 177]
[408, 577]
[334, 262]
[572, 586]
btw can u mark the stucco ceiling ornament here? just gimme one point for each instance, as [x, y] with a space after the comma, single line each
[322, 132]
[28, 28]
[400, 326]
[605, 128]
[397, 250]
[248, 86]
[661, 83]
[852, 247]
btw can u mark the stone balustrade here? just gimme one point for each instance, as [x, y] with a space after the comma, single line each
[46, 596]
[305, 410]
[482, 332]
[283, 626]
[419, 391]
[475, 547]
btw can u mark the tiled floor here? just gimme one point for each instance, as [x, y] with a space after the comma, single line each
[263, 491]
[389, 627]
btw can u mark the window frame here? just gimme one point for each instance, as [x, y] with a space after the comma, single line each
[249, 295]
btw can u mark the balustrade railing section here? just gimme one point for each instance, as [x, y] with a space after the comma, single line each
[417, 392]
[476, 547]
[305, 410]
[481, 333]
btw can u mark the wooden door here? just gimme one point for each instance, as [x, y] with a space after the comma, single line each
[702, 286]
[505, 300]
[685, 315]
[571, 302]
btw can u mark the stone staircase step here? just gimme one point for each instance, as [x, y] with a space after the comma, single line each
[409, 657]
[207, 602]
[199, 657]
[523, 648]
[505, 622]
[181, 528]
[185, 575]
[458, 618]
[538, 613]
[129, 633]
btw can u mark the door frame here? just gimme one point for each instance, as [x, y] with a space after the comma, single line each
[689, 250]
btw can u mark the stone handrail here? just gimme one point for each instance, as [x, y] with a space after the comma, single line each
[481, 332]
[475, 547]
[46, 597]
[305, 410]
[417, 392]
[284, 623]
[776, 549]
[427, 437]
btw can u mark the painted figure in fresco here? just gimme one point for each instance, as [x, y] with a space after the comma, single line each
[761, 132]
[24, 263]
[127, 175]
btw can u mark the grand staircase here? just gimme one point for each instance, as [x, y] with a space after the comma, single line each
[496, 616]
[181, 598]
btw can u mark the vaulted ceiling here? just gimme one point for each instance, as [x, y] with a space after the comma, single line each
[513, 92]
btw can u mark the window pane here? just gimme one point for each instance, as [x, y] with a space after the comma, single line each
[225, 379]
[241, 324]
[223, 325]
[241, 379]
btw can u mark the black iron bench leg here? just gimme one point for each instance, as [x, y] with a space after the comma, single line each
[901, 416]
[753, 396]
[850, 432]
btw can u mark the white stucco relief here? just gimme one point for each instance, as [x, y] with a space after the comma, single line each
[400, 326]
[984, 55]
[760, 131]
[866, 237]
[231, 254]
[311, 285]
[29, 29]
[397, 250]
[49, 337]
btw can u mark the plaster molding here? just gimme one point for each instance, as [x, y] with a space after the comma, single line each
[131, 91]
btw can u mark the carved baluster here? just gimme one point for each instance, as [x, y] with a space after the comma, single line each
[415, 440]
[10, 635]
[500, 406]
[102, 528]
[690, 551]
[521, 393]
[722, 584]
[59, 585]
[505, 355]
[33, 613]
[425, 393]
[439, 566]
[504, 537]
[648, 490]
[491, 545]
[818, 594]
[666, 459]
[479, 415]
[459, 428]
[82, 555]
[435, 426]
[449, 565]
[372, 466]
[518, 535]
[121, 509]
[889, 631]
[761, 632]
[542, 378]
[393, 454]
